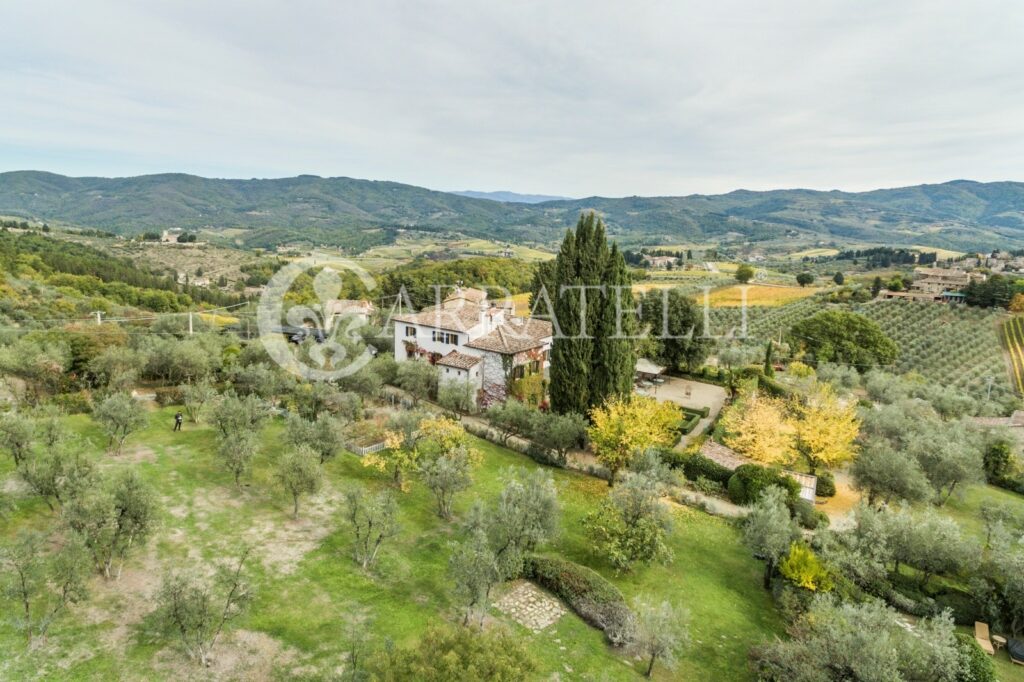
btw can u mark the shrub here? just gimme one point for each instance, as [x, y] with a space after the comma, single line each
[168, 395]
[697, 466]
[544, 456]
[587, 593]
[807, 516]
[708, 487]
[79, 402]
[826, 484]
[978, 664]
[747, 482]
[671, 457]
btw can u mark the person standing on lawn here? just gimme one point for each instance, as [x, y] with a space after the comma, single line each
[178, 418]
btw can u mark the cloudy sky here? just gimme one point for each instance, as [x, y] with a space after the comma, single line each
[569, 98]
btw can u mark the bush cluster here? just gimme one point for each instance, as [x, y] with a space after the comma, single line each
[589, 595]
[699, 466]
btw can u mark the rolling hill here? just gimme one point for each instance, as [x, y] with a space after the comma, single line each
[357, 214]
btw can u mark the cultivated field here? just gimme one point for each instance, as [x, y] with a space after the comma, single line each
[756, 295]
[1012, 333]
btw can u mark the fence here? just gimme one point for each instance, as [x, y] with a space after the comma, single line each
[376, 447]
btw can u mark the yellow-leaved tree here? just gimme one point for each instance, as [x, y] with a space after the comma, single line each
[413, 440]
[826, 428]
[624, 427]
[758, 426]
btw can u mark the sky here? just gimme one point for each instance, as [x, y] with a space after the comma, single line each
[555, 97]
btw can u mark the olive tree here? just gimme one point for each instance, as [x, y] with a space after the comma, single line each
[632, 523]
[195, 610]
[197, 396]
[525, 516]
[17, 435]
[474, 570]
[112, 518]
[119, 415]
[323, 434]
[233, 414]
[768, 530]
[40, 584]
[299, 473]
[446, 475]
[660, 632]
[372, 519]
[237, 452]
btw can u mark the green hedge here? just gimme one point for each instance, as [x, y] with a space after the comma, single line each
[979, 664]
[697, 466]
[689, 424]
[826, 484]
[747, 482]
[587, 593]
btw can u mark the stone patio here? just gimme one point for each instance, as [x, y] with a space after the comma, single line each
[530, 606]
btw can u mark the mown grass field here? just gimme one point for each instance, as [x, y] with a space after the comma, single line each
[309, 587]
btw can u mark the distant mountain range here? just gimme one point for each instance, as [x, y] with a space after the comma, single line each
[511, 197]
[359, 213]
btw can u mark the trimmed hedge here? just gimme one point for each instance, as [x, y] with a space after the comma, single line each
[747, 482]
[826, 484]
[698, 466]
[688, 425]
[593, 598]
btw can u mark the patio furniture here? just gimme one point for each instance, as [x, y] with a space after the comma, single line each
[981, 635]
[1015, 647]
[998, 641]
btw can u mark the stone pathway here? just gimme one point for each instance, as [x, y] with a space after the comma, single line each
[530, 606]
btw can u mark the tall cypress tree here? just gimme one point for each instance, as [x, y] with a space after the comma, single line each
[613, 363]
[585, 371]
[570, 355]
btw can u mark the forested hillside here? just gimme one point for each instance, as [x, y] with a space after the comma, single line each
[358, 214]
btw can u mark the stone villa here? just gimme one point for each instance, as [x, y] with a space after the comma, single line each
[472, 339]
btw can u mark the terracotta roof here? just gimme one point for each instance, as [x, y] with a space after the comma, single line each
[459, 319]
[469, 294]
[458, 360]
[516, 335]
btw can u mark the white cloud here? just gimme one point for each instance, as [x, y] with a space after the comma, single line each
[573, 98]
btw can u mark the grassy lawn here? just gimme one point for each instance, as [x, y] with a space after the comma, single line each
[966, 508]
[308, 586]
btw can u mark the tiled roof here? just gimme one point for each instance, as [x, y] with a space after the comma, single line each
[516, 335]
[458, 360]
[469, 294]
[459, 319]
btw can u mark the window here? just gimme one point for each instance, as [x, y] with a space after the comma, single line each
[518, 372]
[445, 337]
[410, 331]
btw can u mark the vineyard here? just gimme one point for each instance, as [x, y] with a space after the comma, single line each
[1013, 339]
[955, 346]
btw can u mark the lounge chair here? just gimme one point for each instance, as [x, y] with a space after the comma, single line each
[982, 637]
[1015, 647]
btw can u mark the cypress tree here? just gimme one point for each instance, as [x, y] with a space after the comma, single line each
[585, 371]
[614, 358]
[570, 355]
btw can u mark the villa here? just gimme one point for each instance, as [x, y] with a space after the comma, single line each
[474, 340]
